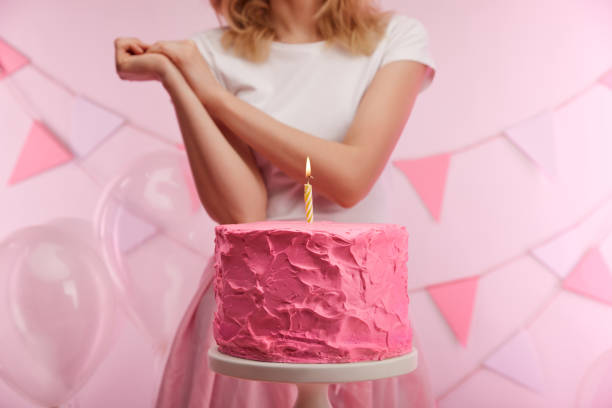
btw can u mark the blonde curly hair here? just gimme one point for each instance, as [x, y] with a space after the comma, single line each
[355, 25]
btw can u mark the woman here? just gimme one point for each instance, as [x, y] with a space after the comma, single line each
[335, 80]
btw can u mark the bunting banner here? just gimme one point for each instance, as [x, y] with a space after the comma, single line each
[455, 300]
[41, 151]
[428, 177]
[591, 277]
[561, 254]
[10, 59]
[518, 360]
[535, 137]
[90, 125]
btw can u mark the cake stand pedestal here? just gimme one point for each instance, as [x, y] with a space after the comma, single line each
[312, 379]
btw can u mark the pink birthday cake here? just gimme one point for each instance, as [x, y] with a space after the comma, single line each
[325, 292]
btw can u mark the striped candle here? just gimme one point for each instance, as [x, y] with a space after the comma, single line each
[308, 193]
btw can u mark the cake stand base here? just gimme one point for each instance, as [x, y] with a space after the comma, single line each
[312, 379]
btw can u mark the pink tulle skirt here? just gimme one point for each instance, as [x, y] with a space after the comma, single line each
[187, 382]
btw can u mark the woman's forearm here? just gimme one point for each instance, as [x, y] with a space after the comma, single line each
[337, 167]
[228, 185]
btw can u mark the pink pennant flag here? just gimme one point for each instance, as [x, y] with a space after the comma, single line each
[41, 151]
[518, 360]
[606, 79]
[132, 230]
[535, 137]
[191, 186]
[10, 59]
[591, 277]
[455, 300]
[428, 177]
[90, 125]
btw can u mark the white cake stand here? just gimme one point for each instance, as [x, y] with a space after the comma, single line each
[313, 379]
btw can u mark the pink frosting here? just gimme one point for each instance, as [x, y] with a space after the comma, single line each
[326, 292]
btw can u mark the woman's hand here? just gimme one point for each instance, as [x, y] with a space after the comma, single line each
[185, 56]
[134, 64]
[180, 52]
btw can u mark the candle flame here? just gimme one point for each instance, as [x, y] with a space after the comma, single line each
[307, 167]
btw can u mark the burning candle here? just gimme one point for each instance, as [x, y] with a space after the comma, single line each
[308, 193]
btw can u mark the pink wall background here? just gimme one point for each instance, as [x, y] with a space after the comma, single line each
[530, 339]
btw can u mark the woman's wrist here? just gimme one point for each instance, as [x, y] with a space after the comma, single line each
[170, 75]
[216, 99]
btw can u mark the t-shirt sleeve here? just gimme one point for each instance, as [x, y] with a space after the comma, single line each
[408, 40]
[202, 42]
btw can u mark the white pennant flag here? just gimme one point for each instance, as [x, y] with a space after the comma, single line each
[535, 137]
[90, 125]
[518, 360]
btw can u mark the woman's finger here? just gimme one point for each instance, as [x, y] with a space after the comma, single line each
[156, 47]
[141, 44]
[135, 48]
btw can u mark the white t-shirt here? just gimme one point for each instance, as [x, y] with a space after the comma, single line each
[317, 90]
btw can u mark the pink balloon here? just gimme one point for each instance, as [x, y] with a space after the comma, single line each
[56, 313]
[154, 242]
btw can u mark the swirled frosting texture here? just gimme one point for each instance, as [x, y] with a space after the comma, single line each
[326, 292]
